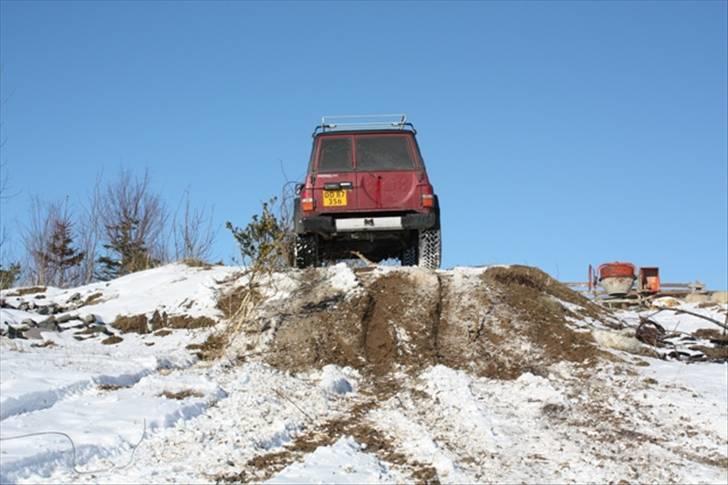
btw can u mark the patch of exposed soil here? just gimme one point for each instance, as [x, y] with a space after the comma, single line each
[92, 298]
[183, 394]
[231, 302]
[162, 333]
[196, 263]
[132, 323]
[162, 320]
[27, 291]
[510, 323]
[354, 424]
[504, 323]
[114, 339]
[185, 321]
[110, 387]
[47, 343]
[211, 348]
[711, 334]
[393, 321]
[719, 354]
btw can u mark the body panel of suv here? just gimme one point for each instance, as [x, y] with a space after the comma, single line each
[377, 180]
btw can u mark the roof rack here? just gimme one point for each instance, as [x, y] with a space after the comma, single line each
[363, 122]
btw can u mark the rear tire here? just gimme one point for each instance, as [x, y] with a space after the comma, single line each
[430, 249]
[408, 257]
[306, 251]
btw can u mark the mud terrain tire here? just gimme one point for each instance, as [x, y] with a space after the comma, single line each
[430, 249]
[306, 251]
[408, 257]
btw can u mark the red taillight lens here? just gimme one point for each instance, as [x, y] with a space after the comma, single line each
[307, 201]
[307, 204]
[428, 198]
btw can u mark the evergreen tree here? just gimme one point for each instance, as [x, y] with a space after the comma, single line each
[9, 275]
[127, 252]
[59, 253]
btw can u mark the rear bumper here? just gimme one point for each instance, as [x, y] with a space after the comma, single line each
[330, 224]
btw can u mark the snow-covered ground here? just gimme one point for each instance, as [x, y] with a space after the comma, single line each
[147, 410]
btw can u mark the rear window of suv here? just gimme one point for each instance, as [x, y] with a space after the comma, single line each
[383, 153]
[335, 155]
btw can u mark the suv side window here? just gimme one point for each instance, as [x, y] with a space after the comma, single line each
[335, 155]
[383, 153]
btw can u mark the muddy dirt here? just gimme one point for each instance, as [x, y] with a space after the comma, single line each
[499, 324]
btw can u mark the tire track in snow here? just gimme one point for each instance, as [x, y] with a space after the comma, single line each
[43, 399]
[101, 424]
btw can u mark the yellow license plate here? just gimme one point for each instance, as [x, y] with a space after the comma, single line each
[334, 198]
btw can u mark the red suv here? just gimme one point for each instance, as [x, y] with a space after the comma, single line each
[367, 191]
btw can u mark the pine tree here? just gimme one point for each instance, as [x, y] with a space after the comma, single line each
[127, 252]
[9, 275]
[59, 253]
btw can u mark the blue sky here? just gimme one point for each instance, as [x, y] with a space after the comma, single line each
[556, 134]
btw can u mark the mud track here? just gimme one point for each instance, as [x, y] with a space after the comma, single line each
[356, 424]
[497, 323]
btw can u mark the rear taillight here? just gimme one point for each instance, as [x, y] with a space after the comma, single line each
[307, 202]
[428, 198]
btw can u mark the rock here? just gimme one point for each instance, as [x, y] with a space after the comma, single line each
[24, 306]
[49, 324]
[89, 319]
[44, 310]
[696, 298]
[28, 321]
[74, 297]
[158, 320]
[15, 332]
[34, 333]
[65, 317]
[5, 304]
[666, 302]
[100, 327]
[624, 341]
[650, 332]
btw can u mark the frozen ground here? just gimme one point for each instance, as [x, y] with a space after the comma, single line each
[497, 394]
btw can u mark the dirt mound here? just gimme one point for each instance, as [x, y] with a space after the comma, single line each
[527, 326]
[499, 323]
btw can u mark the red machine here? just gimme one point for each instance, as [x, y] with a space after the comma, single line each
[618, 278]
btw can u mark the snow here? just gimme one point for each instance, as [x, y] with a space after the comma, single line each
[174, 288]
[681, 322]
[343, 462]
[632, 418]
[342, 278]
[335, 381]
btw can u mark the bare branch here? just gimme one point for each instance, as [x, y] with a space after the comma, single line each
[192, 232]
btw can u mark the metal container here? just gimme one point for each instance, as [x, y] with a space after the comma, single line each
[617, 278]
